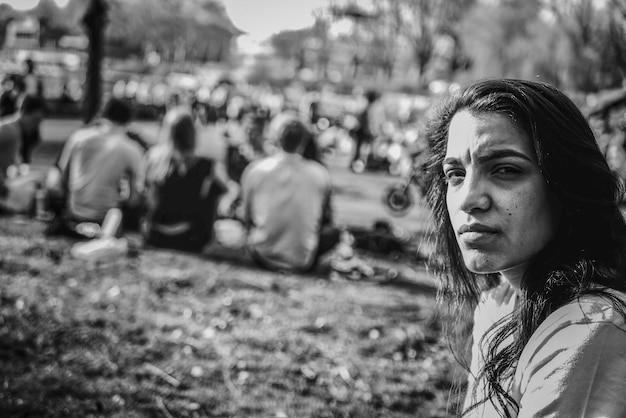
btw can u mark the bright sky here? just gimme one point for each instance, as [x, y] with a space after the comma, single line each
[29, 4]
[263, 18]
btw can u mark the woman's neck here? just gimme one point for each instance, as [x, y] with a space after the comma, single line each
[514, 276]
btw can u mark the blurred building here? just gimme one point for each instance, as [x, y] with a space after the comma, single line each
[60, 67]
[23, 33]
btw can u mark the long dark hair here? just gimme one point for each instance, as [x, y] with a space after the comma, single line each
[177, 143]
[587, 253]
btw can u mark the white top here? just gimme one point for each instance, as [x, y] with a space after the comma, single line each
[574, 364]
[99, 158]
[284, 199]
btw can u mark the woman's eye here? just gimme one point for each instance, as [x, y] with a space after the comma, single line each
[506, 171]
[454, 176]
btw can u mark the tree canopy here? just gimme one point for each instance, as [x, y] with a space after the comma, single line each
[576, 44]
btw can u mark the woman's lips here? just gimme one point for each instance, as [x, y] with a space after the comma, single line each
[476, 227]
[477, 234]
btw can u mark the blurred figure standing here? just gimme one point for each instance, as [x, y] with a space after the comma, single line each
[368, 128]
[33, 83]
[19, 133]
[29, 84]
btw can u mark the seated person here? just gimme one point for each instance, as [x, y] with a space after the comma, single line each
[99, 169]
[312, 149]
[182, 189]
[286, 205]
[245, 140]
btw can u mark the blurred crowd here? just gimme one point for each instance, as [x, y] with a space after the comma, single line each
[249, 155]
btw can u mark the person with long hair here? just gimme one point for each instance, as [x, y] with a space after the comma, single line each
[531, 240]
[182, 188]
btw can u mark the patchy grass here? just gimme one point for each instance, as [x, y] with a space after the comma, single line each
[165, 334]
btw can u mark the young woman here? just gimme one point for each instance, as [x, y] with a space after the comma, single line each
[182, 189]
[531, 239]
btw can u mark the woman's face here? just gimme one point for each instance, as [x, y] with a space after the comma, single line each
[498, 202]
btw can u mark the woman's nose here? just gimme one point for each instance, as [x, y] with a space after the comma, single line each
[474, 194]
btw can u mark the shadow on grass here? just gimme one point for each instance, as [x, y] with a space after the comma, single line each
[411, 286]
[393, 258]
[234, 256]
[239, 257]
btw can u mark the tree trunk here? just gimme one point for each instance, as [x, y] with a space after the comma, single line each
[94, 21]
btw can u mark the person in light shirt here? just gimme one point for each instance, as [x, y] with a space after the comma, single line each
[286, 205]
[99, 168]
[529, 236]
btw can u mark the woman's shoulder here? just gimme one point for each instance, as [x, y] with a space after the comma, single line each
[593, 308]
[579, 322]
[575, 361]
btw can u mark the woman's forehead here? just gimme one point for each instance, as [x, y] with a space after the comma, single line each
[476, 134]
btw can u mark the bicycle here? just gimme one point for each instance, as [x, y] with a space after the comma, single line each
[399, 197]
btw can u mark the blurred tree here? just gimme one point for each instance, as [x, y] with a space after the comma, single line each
[427, 28]
[322, 43]
[95, 19]
[385, 40]
[423, 22]
[500, 38]
[197, 27]
[290, 45]
[616, 10]
[595, 35]
[576, 44]
[360, 36]
[577, 19]
[137, 22]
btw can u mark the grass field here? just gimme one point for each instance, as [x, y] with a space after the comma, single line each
[166, 334]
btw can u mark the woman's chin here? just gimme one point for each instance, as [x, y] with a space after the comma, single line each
[480, 265]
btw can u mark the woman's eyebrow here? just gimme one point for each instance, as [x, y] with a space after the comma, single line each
[492, 155]
[503, 153]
